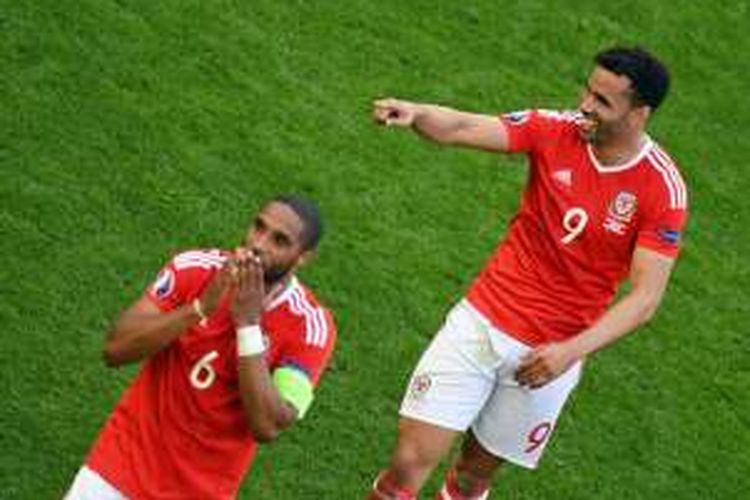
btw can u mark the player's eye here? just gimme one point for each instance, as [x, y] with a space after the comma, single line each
[281, 240]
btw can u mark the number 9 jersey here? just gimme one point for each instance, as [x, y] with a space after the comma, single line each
[571, 243]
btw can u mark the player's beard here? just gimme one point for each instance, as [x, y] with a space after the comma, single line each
[272, 275]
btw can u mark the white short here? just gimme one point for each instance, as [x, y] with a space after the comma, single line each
[465, 378]
[89, 485]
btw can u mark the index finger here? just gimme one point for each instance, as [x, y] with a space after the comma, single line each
[384, 102]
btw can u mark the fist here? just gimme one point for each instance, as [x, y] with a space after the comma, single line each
[394, 112]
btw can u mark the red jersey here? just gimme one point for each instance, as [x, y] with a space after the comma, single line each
[571, 243]
[180, 431]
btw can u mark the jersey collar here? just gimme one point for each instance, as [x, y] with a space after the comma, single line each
[605, 169]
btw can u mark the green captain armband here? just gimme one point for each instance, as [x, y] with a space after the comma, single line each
[295, 387]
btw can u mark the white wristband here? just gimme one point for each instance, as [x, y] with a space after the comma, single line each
[250, 341]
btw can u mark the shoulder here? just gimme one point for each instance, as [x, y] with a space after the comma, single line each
[559, 116]
[539, 128]
[184, 275]
[202, 259]
[303, 309]
[547, 122]
[193, 268]
[555, 119]
[540, 115]
[668, 180]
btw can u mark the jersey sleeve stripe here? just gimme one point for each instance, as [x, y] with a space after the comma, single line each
[316, 327]
[211, 254]
[672, 179]
[294, 306]
[680, 183]
[667, 181]
[675, 173]
[197, 262]
[206, 260]
[200, 258]
[320, 331]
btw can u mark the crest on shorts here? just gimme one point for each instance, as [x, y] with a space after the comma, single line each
[420, 384]
[164, 284]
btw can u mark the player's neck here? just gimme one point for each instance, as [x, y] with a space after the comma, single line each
[277, 289]
[619, 152]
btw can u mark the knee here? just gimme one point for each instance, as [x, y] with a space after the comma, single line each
[475, 461]
[410, 461]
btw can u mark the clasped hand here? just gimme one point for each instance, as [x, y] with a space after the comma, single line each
[242, 278]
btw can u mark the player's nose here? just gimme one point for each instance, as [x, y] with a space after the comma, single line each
[586, 106]
[259, 246]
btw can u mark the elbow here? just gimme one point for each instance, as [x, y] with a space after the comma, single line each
[270, 428]
[112, 355]
[265, 433]
[649, 306]
[110, 358]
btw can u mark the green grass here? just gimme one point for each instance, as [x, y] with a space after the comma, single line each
[131, 129]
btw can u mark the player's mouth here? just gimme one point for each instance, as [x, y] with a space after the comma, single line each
[255, 254]
[588, 125]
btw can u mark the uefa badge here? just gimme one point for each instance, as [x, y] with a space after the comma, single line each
[517, 117]
[420, 384]
[164, 284]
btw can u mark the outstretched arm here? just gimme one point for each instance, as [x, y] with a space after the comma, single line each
[649, 275]
[443, 125]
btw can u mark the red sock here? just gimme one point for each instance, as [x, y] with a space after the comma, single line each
[385, 488]
[479, 488]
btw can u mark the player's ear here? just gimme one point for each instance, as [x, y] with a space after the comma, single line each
[305, 257]
[641, 115]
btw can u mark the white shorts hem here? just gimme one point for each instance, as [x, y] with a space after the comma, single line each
[526, 464]
[432, 421]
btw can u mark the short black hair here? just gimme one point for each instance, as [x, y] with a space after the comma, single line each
[649, 77]
[309, 214]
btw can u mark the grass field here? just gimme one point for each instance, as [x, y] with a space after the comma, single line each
[131, 129]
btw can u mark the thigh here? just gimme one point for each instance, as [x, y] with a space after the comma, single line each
[454, 376]
[88, 485]
[517, 422]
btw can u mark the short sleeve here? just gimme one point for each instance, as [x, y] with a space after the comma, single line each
[183, 277]
[533, 130]
[521, 129]
[663, 233]
[667, 211]
[311, 351]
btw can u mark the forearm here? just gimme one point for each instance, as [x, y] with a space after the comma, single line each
[445, 125]
[267, 413]
[136, 336]
[629, 313]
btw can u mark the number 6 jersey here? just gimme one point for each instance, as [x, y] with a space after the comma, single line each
[571, 243]
[179, 431]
